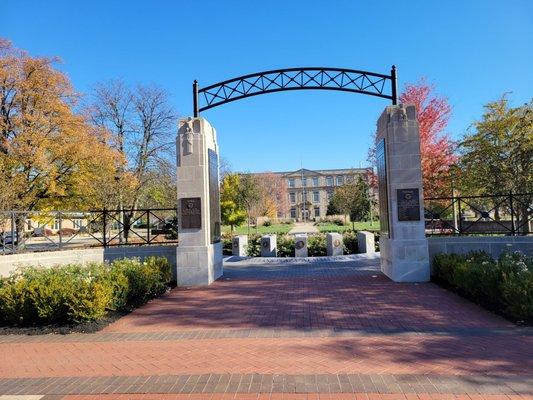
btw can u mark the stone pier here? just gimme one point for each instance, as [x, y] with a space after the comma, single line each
[199, 254]
[403, 244]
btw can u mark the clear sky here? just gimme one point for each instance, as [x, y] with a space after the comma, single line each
[473, 51]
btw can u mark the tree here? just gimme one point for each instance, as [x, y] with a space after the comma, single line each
[140, 121]
[436, 147]
[50, 156]
[497, 156]
[232, 213]
[273, 193]
[353, 199]
[249, 194]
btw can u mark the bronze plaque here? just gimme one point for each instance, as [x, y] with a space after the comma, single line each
[191, 213]
[408, 205]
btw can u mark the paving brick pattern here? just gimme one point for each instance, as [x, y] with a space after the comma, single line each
[280, 329]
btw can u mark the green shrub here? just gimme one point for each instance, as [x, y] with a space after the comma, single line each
[254, 246]
[517, 285]
[349, 239]
[285, 246]
[77, 293]
[505, 285]
[267, 222]
[316, 245]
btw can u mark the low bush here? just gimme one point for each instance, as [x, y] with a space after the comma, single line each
[316, 245]
[349, 239]
[285, 245]
[504, 285]
[267, 222]
[77, 293]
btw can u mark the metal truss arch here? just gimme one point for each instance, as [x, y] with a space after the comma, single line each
[320, 78]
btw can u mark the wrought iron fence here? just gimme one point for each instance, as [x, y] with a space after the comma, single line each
[26, 231]
[502, 214]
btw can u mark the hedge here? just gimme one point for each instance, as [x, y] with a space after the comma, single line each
[504, 285]
[77, 293]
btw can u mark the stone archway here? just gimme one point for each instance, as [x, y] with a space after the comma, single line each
[403, 245]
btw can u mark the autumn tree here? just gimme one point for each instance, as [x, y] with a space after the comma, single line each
[141, 123]
[436, 147]
[497, 155]
[353, 199]
[273, 200]
[50, 155]
[249, 194]
[232, 211]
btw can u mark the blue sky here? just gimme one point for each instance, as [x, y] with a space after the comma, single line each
[473, 51]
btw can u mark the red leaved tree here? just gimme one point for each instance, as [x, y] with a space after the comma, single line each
[436, 147]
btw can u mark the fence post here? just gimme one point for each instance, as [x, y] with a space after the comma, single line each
[148, 226]
[460, 215]
[14, 235]
[60, 230]
[105, 226]
[513, 233]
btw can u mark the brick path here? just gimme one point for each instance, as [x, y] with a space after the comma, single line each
[280, 329]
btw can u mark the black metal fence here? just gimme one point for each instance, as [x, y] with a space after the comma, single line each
[26, 231]
[502, 214]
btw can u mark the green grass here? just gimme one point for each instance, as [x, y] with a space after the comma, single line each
[263, 230]
[359, 226]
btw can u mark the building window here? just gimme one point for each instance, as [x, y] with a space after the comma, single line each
[304, 182]
[316, 197]
[291, 182]
[315, 181]
[317, 211]
[330, 195]
[292, 197]
[329, 181]
[293, 212]
[340, 180]
[56, 225]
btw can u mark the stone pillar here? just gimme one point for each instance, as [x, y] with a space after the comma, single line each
[366, 242]
[199, 253]
[403, 244]
[334, 244]
[269, 246]
[240, 245]
[300, 245]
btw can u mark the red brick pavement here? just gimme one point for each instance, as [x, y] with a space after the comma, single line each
[298, 396]
[347, 302]
[357, 303]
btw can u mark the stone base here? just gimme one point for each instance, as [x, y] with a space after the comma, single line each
[199, 265]
[405, 260]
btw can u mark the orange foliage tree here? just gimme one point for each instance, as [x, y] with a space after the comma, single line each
[50, 156]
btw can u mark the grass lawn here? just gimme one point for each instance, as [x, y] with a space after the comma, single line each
[274, 228]
[359, 226]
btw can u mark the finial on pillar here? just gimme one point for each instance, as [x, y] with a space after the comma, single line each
[195, 98]
[394, 87]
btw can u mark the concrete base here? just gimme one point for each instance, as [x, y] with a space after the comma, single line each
[240, 246]
[366, 242]
[334, 244]
[199, 265]
[405, 260]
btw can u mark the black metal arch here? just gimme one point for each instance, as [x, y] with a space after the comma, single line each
[347, 80]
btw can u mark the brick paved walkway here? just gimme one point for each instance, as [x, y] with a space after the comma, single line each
[282, 328]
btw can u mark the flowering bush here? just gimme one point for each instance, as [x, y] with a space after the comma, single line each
[504, 285]
[77, 293]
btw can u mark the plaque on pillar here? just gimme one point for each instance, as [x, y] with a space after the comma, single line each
[408, 204]
[191, 213]
[382, 188]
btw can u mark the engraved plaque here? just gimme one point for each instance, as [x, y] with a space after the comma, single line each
[408, 204]
[191, 213]
[382, 188]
